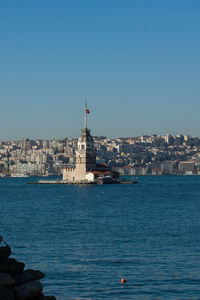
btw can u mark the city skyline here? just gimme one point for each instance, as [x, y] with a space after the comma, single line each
[100, 136]
[103, 137]
[136, 62]
[145, 155]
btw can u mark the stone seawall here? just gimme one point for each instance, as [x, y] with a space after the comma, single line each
[17, 283]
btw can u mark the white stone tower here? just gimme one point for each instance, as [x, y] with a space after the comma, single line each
[85, 155]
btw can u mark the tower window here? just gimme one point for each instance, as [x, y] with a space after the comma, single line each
[82, 147]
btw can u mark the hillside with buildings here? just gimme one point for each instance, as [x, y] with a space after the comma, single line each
[144, 155]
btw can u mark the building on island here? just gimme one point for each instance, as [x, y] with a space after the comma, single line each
[87, 170]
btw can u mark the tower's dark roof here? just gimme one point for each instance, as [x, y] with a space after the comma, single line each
[85, 136]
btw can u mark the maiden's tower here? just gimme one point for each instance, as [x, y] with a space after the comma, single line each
[86, 169]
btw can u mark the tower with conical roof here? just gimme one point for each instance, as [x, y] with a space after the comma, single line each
[85, 155]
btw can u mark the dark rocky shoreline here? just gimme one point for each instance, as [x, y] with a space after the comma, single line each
[17, 283]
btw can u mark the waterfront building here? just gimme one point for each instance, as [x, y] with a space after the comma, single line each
[186, 166]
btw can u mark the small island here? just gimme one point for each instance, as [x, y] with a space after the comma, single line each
[87, 170]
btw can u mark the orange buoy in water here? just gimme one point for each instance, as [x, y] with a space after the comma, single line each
[123, 280]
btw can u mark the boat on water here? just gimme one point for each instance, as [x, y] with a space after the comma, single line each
[19, 175]
[106, 180]
[128, 181]
[111, 180]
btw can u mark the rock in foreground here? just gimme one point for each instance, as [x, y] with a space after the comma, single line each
[15, 283]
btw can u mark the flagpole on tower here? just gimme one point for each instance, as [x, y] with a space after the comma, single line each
[85, 114]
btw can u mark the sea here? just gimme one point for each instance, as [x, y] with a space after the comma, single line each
[87, 238]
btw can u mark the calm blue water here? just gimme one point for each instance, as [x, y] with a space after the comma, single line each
[86, 238]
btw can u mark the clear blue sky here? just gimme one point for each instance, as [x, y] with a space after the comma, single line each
[137, 62]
